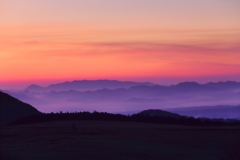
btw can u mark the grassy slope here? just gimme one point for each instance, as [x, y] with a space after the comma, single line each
[118, 140]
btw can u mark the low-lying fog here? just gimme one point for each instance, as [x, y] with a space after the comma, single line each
[132, 97]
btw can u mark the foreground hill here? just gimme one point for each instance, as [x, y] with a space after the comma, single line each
[12, 109]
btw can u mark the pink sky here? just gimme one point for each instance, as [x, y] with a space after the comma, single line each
[158, 41]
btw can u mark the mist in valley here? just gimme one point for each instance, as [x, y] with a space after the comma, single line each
[212, 100]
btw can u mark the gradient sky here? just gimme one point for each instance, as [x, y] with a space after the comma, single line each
[46, 41]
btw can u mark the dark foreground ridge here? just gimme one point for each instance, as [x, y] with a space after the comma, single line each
[162, 117]
[12, 109]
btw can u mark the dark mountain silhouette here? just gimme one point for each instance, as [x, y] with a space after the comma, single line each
[159, 113]
[85, 85]
[12, 109]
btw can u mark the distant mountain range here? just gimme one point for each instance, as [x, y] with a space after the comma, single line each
[141, 93]
[85, 85]
[12, 109]
[117, 96]
[92, 85]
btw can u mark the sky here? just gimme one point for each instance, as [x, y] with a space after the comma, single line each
[165, 42]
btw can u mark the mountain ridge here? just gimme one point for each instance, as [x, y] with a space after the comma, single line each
[84, 85]
[93, 85]
[12, 109]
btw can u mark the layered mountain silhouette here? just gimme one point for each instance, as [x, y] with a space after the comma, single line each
[12, 109]
[91, 85]
[85, 85]
[119, 97]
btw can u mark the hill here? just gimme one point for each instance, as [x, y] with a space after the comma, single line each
[159, 113]
[12, 109]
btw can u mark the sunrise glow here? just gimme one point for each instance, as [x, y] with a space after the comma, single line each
[137, 40]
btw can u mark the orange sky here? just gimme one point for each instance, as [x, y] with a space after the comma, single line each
[62, 40]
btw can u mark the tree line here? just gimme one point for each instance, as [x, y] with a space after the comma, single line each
[104, 116]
